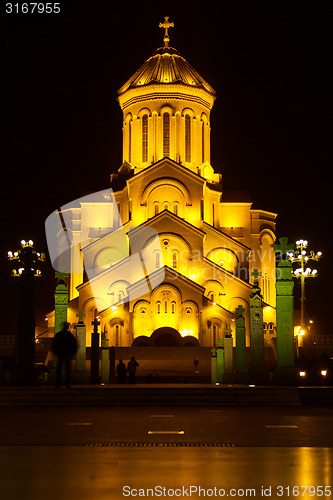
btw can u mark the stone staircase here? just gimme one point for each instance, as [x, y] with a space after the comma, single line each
[166, 395]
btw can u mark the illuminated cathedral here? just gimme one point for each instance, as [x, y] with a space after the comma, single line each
[210, 240]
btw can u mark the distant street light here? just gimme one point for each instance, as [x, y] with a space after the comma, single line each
[25, 259]
[302, 257]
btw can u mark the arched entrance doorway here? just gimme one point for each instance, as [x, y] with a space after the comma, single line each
[166, 337]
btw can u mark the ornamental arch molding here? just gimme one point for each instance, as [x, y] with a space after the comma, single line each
[166, 108]
[144, 111]
[162, 183]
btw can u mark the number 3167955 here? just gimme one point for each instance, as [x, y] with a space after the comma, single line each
[33, 8]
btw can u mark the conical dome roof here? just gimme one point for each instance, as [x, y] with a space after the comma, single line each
[166, 66]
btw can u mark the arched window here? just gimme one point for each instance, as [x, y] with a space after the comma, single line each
[166, 134]
[156, 209]
[187, 138]
[175, 209]
[117, 335]
[145, 138]
[157, 260]
[165, 306]
[129, 142]
[214, 335]
[158, 307]
[212, 296]
[203, 141]
[173, 307]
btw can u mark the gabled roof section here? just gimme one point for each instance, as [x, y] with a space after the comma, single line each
[178, 223]
[232, 240]
[228, 274]
[160, 164]
[173, 276]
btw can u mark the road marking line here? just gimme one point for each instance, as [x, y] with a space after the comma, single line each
[281, 426]
[79, 423]
[166, 432]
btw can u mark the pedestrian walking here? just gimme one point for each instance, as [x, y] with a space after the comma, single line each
[121, 371]
[64, 347]
[131, 368]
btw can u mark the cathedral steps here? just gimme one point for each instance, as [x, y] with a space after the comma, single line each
[166, 395]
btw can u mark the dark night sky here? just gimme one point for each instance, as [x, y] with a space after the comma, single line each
[268, 61]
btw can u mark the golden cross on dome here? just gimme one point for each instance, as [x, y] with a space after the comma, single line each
[166, 25]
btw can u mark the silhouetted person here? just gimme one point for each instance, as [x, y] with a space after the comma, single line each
[196, 362]
[131, 368]
[121, 371]
[64, 347]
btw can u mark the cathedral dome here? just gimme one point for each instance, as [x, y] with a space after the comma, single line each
[164, 67]
[166, 108]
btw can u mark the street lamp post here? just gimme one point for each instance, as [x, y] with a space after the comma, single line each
[301, 257]
[25, 259]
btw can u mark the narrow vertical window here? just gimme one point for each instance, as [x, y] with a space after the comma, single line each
[156, 209]
[117, 335]
[173, 307]
[203, 141]
[129, 142]
[214, 335]
[157, 260]
[213, 214]
[166, 134]
[174, 260]
[175, 209]
[158, 308]
[145, 138]
[165, 307]
[187, 138]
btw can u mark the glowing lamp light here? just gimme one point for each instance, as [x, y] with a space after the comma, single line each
[323, 373]
[302, 374]
[299, 331]
[114, 309]
[184, 332]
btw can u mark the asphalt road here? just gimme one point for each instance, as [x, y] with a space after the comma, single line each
[165, 452]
